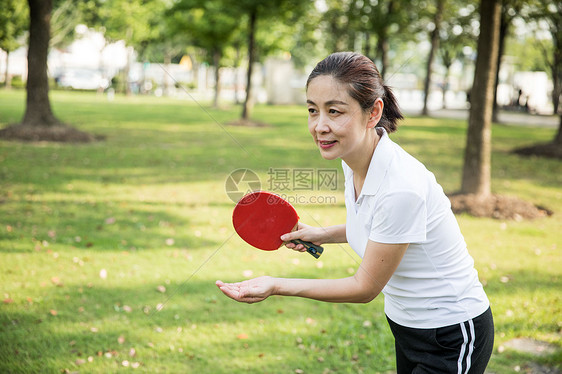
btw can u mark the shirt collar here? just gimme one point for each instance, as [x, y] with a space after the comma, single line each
[380, 163]
[378, 167]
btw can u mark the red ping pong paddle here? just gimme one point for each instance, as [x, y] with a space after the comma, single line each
[260, 218]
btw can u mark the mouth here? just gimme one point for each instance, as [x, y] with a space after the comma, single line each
[325, 144]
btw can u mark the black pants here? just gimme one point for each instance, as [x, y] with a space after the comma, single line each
[462, 348]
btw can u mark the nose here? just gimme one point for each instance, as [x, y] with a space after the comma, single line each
[322, 124]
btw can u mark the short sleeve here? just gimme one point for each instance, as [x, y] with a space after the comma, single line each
[399, 217]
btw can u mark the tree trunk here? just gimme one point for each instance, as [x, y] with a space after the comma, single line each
[216, 62]
[383, 47]
[38, 107]
[433, 49]
[558, 137]
[556, 66]
[557, 85]
[126, 72]
[101, 67]
[166, 81]
[236, 75]
[248, 103]
[476, 177]
[8, 78]
[504, 26]
[367, 49]
[446, 85]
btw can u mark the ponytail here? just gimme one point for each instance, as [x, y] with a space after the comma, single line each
[391, 113]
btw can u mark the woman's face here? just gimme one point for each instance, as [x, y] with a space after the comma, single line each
[335, 120]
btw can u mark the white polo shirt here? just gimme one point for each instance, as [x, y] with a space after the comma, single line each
[436, 283]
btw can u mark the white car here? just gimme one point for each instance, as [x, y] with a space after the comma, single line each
[82, 79]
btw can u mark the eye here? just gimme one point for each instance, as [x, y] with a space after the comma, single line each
[311, 110]
[334, 111]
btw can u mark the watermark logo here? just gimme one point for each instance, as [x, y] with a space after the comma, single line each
[302, 179]
[241, 182]
[287, 183]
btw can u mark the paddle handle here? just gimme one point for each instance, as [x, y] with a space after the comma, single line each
[313, 249]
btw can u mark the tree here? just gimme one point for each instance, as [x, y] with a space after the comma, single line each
[434, 39]
[337, 26]
[13, 23]
[553, 15]
[476, 177]
[384, 16]
[510, 10]
[305, 43]
[164, 45]
[369, 26]
[64, 19]
[206, 26]
[132, 21]
[39, 122]
[475, 196]
[38, 109]
[550, 13]
[248, 102]
[456, 33]
[282, 11]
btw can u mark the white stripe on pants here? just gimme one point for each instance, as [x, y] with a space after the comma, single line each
[463, 347]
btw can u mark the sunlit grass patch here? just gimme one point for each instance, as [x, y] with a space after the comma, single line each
[109, 251]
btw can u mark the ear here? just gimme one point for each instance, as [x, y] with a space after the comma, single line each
[376, 113]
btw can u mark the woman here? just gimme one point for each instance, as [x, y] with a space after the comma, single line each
[398, 220]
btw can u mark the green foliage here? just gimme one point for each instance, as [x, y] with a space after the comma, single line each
[65, 16]
[133, 21]
[347, 24]
[161, 30]
[529, 53]
[280, 24]
[94, 237]
[538, 14]
[335, 25]
[14, 19]
[205, 24]
[306, 48]
[456, 31]
[17, 82]
[207, 28]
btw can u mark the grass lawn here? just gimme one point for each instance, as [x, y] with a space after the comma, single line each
[109, 251]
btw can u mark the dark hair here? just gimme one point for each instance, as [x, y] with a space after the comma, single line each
[365, 84]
